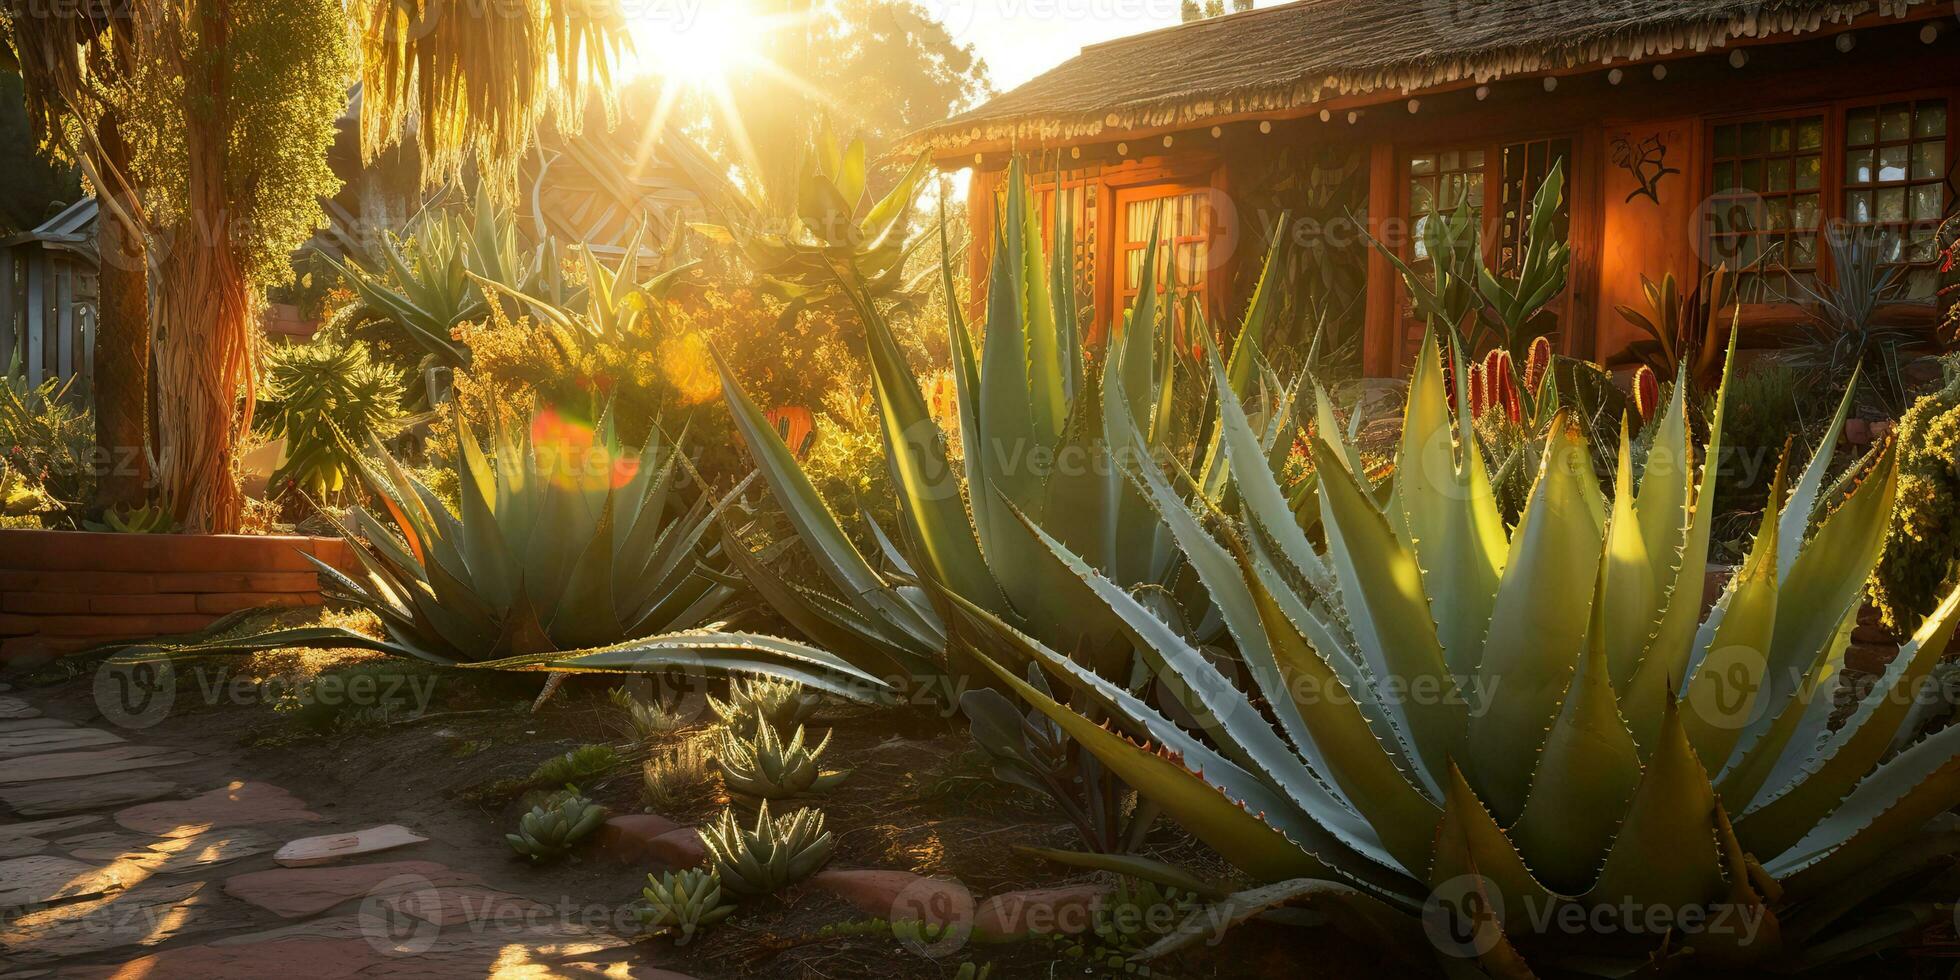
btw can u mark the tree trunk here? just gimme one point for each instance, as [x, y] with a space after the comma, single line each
[206, 311]
[122, 353]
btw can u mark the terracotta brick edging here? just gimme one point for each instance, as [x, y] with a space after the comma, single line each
[62, 591]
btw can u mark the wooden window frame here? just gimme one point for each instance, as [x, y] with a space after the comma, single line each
[1776, 316]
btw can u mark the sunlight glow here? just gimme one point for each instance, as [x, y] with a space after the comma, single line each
[691, 43]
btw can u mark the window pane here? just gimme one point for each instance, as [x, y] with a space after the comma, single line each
[1932, 120]
[1753, 137]
[1892, 204]
[1752, 174]
[1808, 210]
[1858, 206]
[1727, 140]
[1724, 176]
[1858, 167]
[1810, 134]
[1892, 163]
[1778, 178]
[1422, 164]
[1895, 123]
[1860, 127]
[1929, 160]
[1926, 203]
[1810, 173]
[1779, 137]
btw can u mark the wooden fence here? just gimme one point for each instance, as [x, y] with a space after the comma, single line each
[47, 313]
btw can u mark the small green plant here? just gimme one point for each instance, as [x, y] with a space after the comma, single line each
[780, 703]
[580, 766]
[678, 778]
[554, 827]
[778, 851]
[1123, 926]
[764, 765]
[683, 903]
[643, 720]
[147, 519]
[48, 440]
[324, 399]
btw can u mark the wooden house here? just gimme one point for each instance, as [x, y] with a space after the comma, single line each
[1692, 132]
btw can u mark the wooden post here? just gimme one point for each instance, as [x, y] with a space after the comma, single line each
[1380, 328]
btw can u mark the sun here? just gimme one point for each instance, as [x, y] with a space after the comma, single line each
[691, 43]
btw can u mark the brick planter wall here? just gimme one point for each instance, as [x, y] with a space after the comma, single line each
[62, 591]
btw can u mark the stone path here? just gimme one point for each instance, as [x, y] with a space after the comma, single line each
[120, 859]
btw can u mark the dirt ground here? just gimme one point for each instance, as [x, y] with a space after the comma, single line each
[366, 741]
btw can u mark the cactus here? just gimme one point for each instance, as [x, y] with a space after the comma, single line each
[764, 765]
[779, 851]
[550, 830]
[643, 720]
[782, 704]
[684, 903]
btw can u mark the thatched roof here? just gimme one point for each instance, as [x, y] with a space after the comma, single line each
[1283, 58]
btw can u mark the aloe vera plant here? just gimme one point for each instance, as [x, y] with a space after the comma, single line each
[567, 554]
[1504, 730]
[1032, 416]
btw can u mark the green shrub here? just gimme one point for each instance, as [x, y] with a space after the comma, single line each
[1924, 538]
[47, 440]
[324, 399]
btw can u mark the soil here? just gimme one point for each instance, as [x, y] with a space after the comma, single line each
[454, 772]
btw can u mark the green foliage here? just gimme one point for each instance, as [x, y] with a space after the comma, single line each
[776, 852]
[1924, 539]
[580, 767]
[763, 700]
[432, 279]
[552, 829]
[1683, 332]
[684, 902]
[147, 519]
[1124, 927]
[47, 441]
[1585, 739]
[283, 89]
[1854, 322]
[324, 399]
[762, 764]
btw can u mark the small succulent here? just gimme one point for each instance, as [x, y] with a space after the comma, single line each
[684, 903]
[782, 703]
[577, 767]
[646, 719]
[551, 829]
[764, 765]
[779, 851]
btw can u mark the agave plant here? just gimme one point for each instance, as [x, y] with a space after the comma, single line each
[779, 851]
[762, 764]
[428, 282]
[567, 554]
[551, 829]
[835, 221]
[1032, 415]
[1536, 723]
[766, 701]
[683, 902]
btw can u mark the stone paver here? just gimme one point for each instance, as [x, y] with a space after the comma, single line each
[33, 836]
[464, 905]
[16, 708]
[42, 878]
[70, 765]
[178, 855]
[37, 741]
[33, 724]
[146, 914]
[328, 848]
[238, 804]
[58, 796]
[295, 892]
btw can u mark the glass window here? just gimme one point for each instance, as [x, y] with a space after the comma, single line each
[1768, 177]
[1895, 182]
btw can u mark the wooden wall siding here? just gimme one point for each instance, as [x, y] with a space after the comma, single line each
[47, 314]
[1614, 240]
